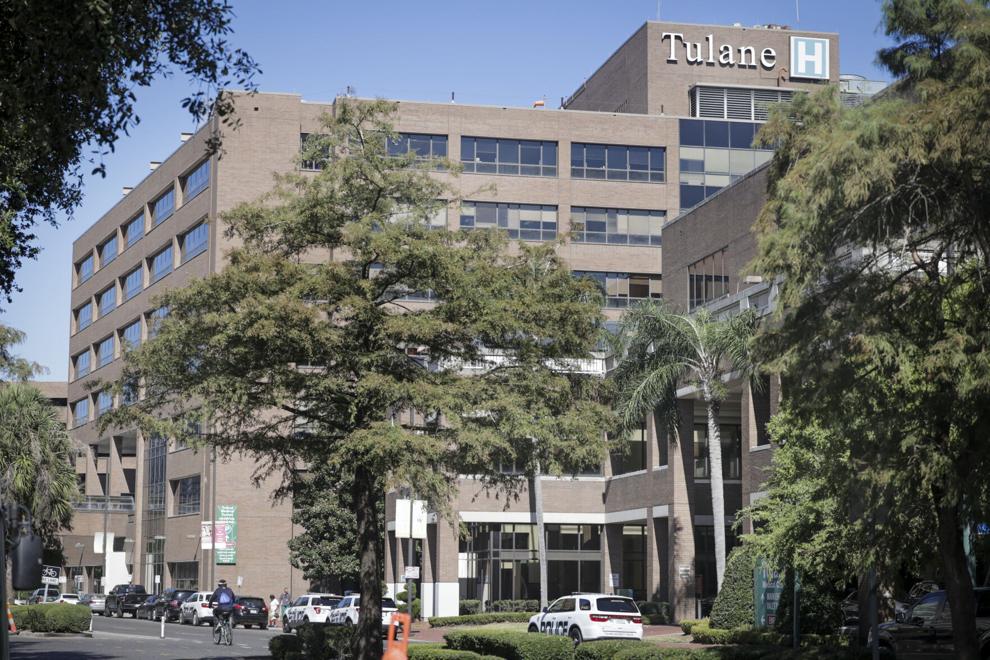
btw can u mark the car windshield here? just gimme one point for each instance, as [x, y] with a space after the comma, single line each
[135, 589]
[328, 601]
[251, 602]
[388, 602]
[617, 605]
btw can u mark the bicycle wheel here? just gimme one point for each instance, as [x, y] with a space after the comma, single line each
[228, 633]
[217, 633]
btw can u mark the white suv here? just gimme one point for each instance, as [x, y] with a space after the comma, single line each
[196, 608]
[310, 608]
[590, 616]
[347, 611]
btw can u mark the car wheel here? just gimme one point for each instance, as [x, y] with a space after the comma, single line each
[120, 612]
[575, 634]
[533, 628]
[305, 619]
[348, 623]
[195, 620]
[286, 628]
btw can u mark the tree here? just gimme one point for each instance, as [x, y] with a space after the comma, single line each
[661, 349]
[315, 347]
[68, 85]
[12, 367]
[874, 228]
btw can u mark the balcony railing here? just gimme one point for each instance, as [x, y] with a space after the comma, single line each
[101, 503]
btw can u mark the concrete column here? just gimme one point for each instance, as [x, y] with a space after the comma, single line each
[440, 585]
[747, 422]
[612, 556]
[655, 582]
[139, 503]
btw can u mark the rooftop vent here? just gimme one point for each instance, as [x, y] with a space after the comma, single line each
[153, 165]
[184, 137]
[126, 190]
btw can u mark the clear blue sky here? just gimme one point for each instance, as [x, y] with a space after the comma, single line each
[506, 52]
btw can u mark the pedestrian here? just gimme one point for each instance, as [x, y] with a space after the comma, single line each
[285, 600]
[273, 608]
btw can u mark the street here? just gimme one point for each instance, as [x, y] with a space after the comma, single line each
[129, 638]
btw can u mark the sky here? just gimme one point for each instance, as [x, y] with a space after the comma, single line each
[505, 52]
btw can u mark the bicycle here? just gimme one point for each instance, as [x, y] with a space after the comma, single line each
[222, 631]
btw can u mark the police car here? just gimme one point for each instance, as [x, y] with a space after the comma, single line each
[310, 608]
[590, 616]
[347, 611]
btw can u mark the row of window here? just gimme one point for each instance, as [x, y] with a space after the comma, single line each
[159, 210]
[128, 337]
[160, 264]
[625, 289]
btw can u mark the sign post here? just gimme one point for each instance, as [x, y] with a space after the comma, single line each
[768, 585]
[410, 523]
[49, 576]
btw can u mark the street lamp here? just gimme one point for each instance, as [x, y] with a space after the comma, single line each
[79, 546]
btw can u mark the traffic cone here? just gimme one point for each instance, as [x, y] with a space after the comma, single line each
[10, 621]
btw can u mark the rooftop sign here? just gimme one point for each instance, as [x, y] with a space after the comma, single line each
[808, 56]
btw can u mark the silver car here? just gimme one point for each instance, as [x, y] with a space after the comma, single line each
[97, 602]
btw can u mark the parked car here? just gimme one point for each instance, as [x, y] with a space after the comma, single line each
[39, 596]
[171, 602]
[146, 610]
[309, 608]
[196, 608]
[125, 599]
[590, 616]
[250, 611]
[925, 631]
[71, 599]
[349, 608]
[96, 602]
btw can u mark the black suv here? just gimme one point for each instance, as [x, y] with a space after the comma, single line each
[171, 602]
[925, 631]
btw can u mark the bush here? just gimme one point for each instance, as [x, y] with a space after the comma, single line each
[323, 642]
[469, 606]
[645, 652]
[688, 624]
[480, 619]
[54, 617]
[515, 606]
[437, 652]
[606, 649]
[511, 645]
[734, 605]
[403, 597]
[654, 612]
[281, 645]
[703, 633]
[820, 609]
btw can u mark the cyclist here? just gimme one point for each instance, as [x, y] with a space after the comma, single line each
[222, 602]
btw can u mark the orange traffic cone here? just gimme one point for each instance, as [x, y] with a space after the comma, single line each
[396, 650]
[10, 621]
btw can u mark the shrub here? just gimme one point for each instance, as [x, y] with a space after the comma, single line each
[511, 645]
[403, 597]
[645, 652]
[436, 652]
[734, 605]
[281, 646]
[515, 606]
[55, 617]
[469, 606]
[606, 649]
[323, 642]
[703, 633]
[687, 624]
[480, 619]
[819, 601]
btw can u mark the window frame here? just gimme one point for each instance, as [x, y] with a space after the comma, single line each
[100, 363]
[500, 165]
[154, 276]
[112, 240]
[501, 218]
[112, 291]
[76, 421]
[75, 364]
[84, 276]
[184, 254]
[188, 192]
[158, 216]
[655, 155]
[616, 216]
[136, 221]
[180, 508]
[127, 292]
[89, 321]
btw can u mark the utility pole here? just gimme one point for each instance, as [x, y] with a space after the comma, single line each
[213, 515]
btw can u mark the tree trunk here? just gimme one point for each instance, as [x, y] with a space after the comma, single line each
[958, 583]
[368, 641]
[541, 543]
[718, 489]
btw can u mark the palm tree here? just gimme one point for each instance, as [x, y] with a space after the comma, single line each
[660, 349]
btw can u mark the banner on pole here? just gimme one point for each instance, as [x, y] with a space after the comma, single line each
[225, 534]
[767, 587]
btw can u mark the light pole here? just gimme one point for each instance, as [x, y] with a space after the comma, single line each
[79, 546]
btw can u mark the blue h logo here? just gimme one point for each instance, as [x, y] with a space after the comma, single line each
[809, 58]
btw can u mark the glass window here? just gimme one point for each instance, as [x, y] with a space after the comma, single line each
[624, 605]
[133, 283]
[162, 208]
[130, 393]
[617, 226]
[527, 222]
[81, 364]
[134, 230]
[155, 319]
[107, 301]
[196, 181]
[194, 241]
[84, 269]
[423, 146]
[104, 402]
[80, 412]
[741, 135]
[316, 156]
[104, 352]
[84, 316]
[507, 156]
[717, 134]
[624, 289]
[927, 609]
[707, 279]
[692, 132]
[161, 264]
[187, 496]
[108, 251]
[731, 436]
[630, 454]
[617, 162]
[131, 336]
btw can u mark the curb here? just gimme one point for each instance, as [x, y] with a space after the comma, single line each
[28, 633]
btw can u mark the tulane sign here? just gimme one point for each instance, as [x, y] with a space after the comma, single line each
[809, 55]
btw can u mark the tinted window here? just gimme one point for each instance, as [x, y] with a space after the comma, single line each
[692, 133]
[617, 605]
[388, 602]
[716, 134]
[741, 135]
[329, 602]
[251, 602]
[584, 604]
[928, 608]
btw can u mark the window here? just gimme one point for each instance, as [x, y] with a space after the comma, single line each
[196, 181]
[185, 574]
[154, 319]
[162, 209]
[80, 412]
[927, 609]
[104, 352]
[623, 289]
[186, 495]
[84, 316]
[194, 242]
[423, 146]
[108, 251]
[130, 393]
[104, 402]
[133, 283]
[503, 156]
[760, 392]
[161, 264]
[630, 453]
[618, 226]
[713, 154]
[618, 163]
[528, 222]
[134, 230]
[80, 364]
[108, 301]
[130, 336]
[315, 157]
[707, 279]
[731, 437]
[84, 269]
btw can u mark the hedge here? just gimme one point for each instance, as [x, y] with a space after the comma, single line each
[733, 606]
[437, 652]
[607, 649]
[514, 606]
[53, 617]
[645, 652]
[480, 619]
[281, 645]
[469, 606]
[654, 612]
[703, 633]
[313, 641]
[511, 645]
[688, 624]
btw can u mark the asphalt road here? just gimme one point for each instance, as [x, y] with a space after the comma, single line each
[115, 639]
